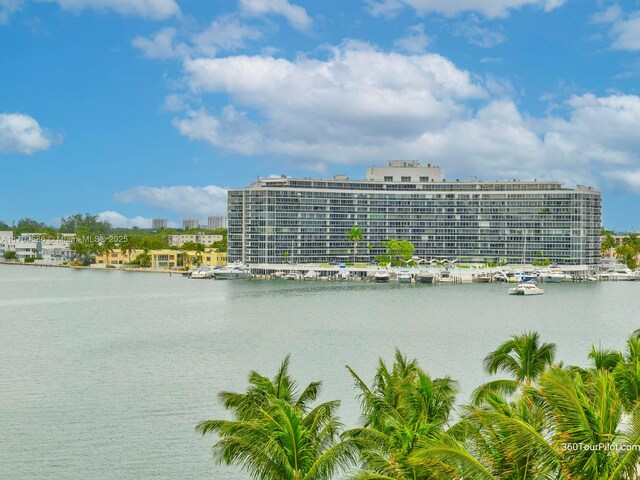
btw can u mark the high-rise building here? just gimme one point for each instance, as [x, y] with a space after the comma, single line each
[305, 220]
[217, 222]
[159, 223]
[190, 223]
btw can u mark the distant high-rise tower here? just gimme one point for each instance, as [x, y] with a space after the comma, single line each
[217, 222]
[159, 223]
[190, 223]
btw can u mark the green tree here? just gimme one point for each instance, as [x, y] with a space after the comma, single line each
[627, 254]
[86, 224]
[276, 434]
[10, 255]
[403, 409]
[355, 235]
[106, 248]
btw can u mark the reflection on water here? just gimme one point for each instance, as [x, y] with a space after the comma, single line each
[105, 374]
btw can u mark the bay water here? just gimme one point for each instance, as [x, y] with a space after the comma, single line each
[104, 374]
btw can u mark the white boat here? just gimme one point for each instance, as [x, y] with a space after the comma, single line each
[381, 276]
[343, 275]
[202, 272]
[311, 275]
[620, 274]
[527, 288]
[426, 277]
[292, 276]
[555, 275]
[403, 277]
[232, 272]
[481, 277]
[506, 276]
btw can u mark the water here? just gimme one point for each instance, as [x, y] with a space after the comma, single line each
[105, 374]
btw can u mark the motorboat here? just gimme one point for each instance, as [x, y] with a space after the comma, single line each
[526, 288]
[426, 277]
[232, 272]
[381, 276]
[311, 275]
[555, 275]
[343, 275]
[202, 272]
[481, 277]
[504, 276]
[620, 274]
[292, 276]
[403, 276]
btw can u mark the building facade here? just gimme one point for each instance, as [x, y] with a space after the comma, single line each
[214, 223]
[205, 239]
[190, 223]
[159, 223]
[306, 221]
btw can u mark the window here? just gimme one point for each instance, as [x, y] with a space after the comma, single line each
[388, 178]
[424, 179]
[405, 179]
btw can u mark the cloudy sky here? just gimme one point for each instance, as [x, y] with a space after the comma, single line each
[153, 108]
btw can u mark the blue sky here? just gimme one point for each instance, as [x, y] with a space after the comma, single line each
[135, 109]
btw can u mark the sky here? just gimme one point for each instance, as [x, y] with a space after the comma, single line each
[140, 109]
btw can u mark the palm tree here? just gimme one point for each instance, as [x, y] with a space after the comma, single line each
[106, 249]
[523, 357]
[355, 235]
[128, 247]
[403, 409]
[276, 435]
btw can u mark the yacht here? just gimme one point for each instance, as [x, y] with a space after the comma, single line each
[292, 276]
[343, 275]
[403, 276]
[426, 277]
[526, 288]
[481, 277]
[506, 276]
[555, 275]
[232, 272]
[381, 276]
[311, 275]
[202, 272]
[620, 274]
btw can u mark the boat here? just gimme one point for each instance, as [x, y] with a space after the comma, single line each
[232, 272]
[292, 276]
[403, 276]
[426, 277]
[343, 275]
[202, 272]
[311, 275]
[555, 275]
[381, 276]
[506, 276]
[619, 274]
[481, 277]
[526, 288]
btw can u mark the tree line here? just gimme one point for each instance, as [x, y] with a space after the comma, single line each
[541, 419]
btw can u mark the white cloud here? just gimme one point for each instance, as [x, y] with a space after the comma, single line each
[362, 105]
[187, 201]
[415, 41]
[624, 29]
[118, 220]
[224, 33]
[7, 7]
[627, 179]
[477, 34]
[488, 8]
[20, 133]
[151, 9]
[160, 44]
[296, 15]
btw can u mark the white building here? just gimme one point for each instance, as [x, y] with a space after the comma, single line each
[220, 221]
[180, 240]
[190, 223]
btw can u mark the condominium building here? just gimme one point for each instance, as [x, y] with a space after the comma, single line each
[306, 220]
[159, 223]
[190, 223]
[214, 223]
[203, 238]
